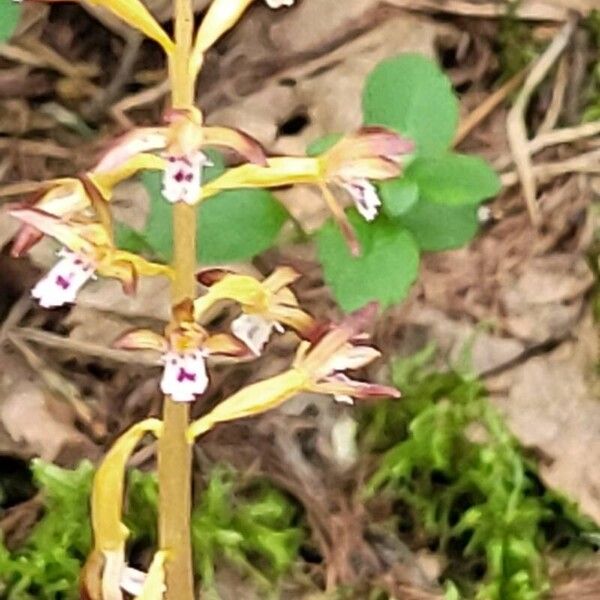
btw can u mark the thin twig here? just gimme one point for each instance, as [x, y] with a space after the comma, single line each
[33, 148]
[147, 96]
[101, 101]
[488, 106]
[52, 340]
[584, 163]
[515, 124]
[566, 135]
[558, 97]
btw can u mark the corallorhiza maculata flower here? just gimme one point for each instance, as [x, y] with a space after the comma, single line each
[370, 154]
[266, 305]
[184, 349]
[319, 367]
[180, 142]
[88, 251]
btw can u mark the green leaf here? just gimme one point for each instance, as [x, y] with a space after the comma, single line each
[454, 179]
[438, 227]
[385, 270]
[10, 13]
[412, 95]
[232, 226]
[323, 144]
[158, 231]
[238, 224]
[398, 195]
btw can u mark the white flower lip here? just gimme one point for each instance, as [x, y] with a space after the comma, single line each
[254, 331]
[279, 3]
[182, 177]
[365, 196]
[184, 375]
[62, 283]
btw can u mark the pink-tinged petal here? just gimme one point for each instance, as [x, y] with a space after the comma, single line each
[63, 282]
[245, 145]
[25, 239]
[336, 339]
[184, 375]
[138, 141]
[142, 339]
[384, 142]
[351, 357]
[340, 385]
[65, 233]
[370, 142]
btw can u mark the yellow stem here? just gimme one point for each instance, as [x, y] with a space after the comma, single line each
[175, 453]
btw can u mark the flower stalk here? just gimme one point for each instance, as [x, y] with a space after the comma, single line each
[174, 452]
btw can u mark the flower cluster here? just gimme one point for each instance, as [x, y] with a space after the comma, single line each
[76, 213]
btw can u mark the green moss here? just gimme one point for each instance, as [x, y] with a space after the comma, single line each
[251, 526]
[461, 485]
[592, 110]
[517, 46]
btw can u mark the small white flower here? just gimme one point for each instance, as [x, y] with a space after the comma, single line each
[365, 196]
[62, 283]
[184, 376]
[484, 214]
[279, 3]
[182, 178]
[254, 331]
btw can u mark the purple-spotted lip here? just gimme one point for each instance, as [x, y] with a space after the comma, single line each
[63, 282]
[184, 375]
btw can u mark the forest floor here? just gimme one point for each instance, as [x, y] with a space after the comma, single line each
[513, 316]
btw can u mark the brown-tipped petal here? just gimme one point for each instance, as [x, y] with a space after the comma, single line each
[340, 385]
[245, 145]
[208, 277]
[184, 312]
[223, 344]
[99, 204]
[138, 141]
[71, 236]
[123, 270]
[25, 239]
[90, 578]
[295, 318]
[142, 339]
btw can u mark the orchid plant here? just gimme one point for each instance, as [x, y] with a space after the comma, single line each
[76, 212]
